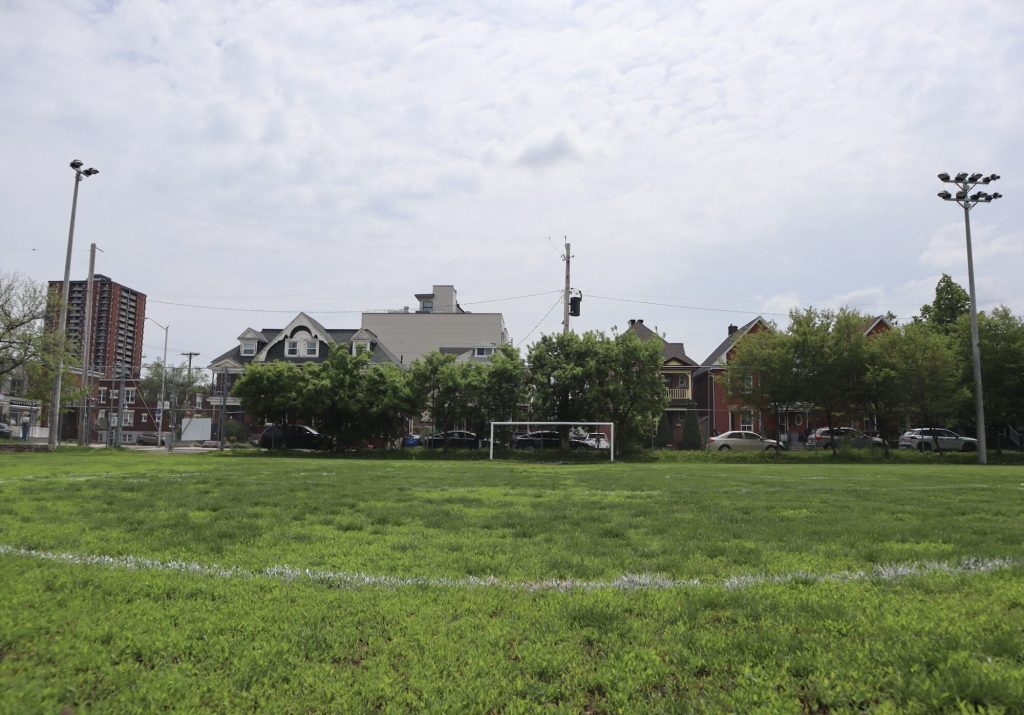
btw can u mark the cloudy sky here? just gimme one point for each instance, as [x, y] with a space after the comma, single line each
[708, 161]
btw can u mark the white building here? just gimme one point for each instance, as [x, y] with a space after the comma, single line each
[439, 323]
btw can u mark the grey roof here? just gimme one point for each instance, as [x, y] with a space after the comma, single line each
[715, 359]
[669, 351]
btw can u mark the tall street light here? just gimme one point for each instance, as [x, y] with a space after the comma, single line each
[965, 183]
[62, 322]
[163, 381]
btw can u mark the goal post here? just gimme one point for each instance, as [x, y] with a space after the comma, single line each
[531, 426]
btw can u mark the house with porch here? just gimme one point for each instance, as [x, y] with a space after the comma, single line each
[677, 373]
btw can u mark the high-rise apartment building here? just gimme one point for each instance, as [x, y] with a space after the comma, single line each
[118, 318]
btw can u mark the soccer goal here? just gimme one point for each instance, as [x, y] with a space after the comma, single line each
[537, 435]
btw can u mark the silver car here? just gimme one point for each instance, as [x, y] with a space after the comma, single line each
[948, 441]
[743, 441]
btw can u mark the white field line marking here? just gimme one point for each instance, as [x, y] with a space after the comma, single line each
[626, 582]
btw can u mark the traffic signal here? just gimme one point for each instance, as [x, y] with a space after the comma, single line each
[574, 304]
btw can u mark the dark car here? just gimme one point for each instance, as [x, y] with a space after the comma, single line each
[547, 439]
[457, 439]
[5, 430]
[290, 437]
[149, 438]
[825, 438]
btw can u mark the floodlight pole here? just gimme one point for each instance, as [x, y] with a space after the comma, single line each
[163, 382]
[54, 432]
[965, 183]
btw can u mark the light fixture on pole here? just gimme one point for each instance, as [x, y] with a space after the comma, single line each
[163, 382]
[54, 432]
[965, 184]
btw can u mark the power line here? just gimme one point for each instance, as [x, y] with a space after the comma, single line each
[557, 301]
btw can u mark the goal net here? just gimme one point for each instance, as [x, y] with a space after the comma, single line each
[551, 435]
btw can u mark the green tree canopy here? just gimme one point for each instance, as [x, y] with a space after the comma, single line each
[951, 302]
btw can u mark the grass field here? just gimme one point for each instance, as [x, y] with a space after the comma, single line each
[133, 582]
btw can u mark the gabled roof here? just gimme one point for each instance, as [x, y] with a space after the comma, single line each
[717, 356]
[299, 321]
[252, 334]
[879, 321]
[669, 351]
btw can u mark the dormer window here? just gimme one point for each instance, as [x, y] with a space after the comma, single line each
[291, 348]
[248, 348]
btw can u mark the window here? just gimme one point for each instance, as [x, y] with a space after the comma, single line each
[113, 396]
[248, 348]
[145, 418]
[312, 348]
[684, 381]
[127, 418]
[484, 352]
[291, 348]
[129, 395]
[101, 415]
[199, 401]
[102, 397]
[427, 306]
[747, 421]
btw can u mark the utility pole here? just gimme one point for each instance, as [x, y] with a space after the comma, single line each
[83, 429]
[188, 386]
[223, 404]
[567, 257]
[120, 404]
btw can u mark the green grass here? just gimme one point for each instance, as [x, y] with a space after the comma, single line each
[107, 639]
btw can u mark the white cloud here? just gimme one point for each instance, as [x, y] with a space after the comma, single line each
[337, 154]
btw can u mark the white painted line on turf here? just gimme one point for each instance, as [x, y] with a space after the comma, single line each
[626, 582]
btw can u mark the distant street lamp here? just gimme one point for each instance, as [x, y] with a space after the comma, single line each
[965, 184]
[163, 381]
[63, 320]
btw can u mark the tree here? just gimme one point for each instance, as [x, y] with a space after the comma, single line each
[565, 374]
[632, 391]
[23, 305]
[331, 394]
[579, 378]
[385, 402]
[177, 380]
[433, 387]
[271, 392]
[505, 385]
[692, 439]
[1001, 341]
[927, 375]
[951, 301]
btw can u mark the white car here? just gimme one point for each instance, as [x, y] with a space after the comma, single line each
[597, 440]
[743, 441]
[924, 439]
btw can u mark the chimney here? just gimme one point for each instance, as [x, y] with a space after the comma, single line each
[732, 329]
[631, 322]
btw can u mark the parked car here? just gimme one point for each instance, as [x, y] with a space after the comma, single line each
[598, 440]
[149, 438]
[457, 439]
[547, 439]
[290, 437]
[824, 438]
[742, 440]
[412, 440]
[924, 439]
[5, 430]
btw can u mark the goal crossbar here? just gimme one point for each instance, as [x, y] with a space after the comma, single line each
[529, 424]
